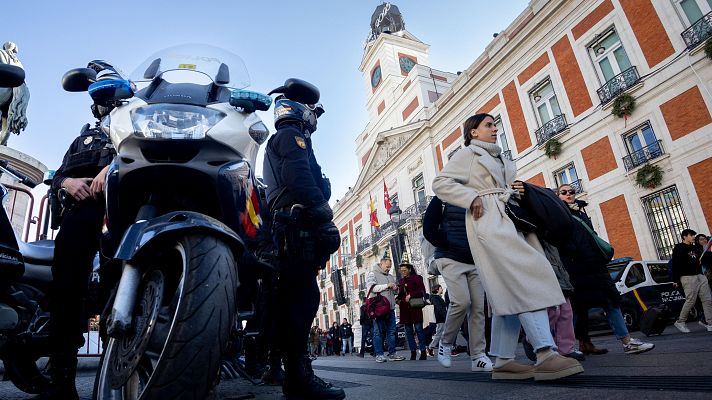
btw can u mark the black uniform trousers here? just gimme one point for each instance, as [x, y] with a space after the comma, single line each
[75, 246]
[298, 296]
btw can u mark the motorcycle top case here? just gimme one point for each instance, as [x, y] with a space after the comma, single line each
[654, 320]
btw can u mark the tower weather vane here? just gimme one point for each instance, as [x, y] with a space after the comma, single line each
[385, 19]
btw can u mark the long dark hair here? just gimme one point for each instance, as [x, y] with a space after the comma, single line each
[472, 123]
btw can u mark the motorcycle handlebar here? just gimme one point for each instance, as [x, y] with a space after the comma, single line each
[24, 179]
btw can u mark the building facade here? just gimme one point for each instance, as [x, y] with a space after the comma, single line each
[553, 80]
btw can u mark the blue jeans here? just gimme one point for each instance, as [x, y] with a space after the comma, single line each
[346, 342]
[387, 325]
[505, 332]
[616, 321]
[411, 339]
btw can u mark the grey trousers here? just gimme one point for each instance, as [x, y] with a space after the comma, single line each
[467, 298]
[696, 286]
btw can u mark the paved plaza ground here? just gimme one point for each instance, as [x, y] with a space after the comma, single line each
[679, 367]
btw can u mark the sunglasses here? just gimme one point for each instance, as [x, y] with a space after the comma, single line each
[567, 192]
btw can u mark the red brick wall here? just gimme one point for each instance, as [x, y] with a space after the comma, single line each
[354, 280]
[439, 155]
[532, 69]
[438, 78]
[344, 228]
[701, 175]
[365, 157]
[570, 73]
[414, 58]
[407, 85]
[451, 138]
[598, 158]
[410, 108]
[357, 218]
[331, 293]
[537, 179]
[649, 30]
[352, 243]
[381, 107]
[592, 18]
[516, 117]
[490, 105]
[685, 113]
[620, 228]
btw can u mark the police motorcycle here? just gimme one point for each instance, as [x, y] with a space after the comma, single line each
[182, 208]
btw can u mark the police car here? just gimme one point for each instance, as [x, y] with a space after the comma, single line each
[644, 284]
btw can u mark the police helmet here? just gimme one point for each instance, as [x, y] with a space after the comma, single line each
[286, 110]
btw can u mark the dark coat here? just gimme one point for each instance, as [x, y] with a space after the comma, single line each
[587, 267]
[412, 285]
[549, 213]
[444, 228]
[439, 308]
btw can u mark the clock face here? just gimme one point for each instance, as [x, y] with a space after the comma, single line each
[406, 63]
[376, 76]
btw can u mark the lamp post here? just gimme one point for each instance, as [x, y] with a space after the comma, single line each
[395, 214]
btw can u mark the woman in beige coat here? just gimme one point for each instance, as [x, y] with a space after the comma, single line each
[519, 281]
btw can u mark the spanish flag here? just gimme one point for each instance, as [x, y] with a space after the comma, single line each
[374, 215]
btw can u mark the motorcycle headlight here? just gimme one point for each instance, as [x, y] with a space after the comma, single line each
[174, 121]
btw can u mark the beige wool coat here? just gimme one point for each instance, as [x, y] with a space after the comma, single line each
[516, 275]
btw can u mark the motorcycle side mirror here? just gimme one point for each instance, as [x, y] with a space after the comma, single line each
[250, 101]
[78, 79]
[298, 90]
[110, 90]
[11, 75]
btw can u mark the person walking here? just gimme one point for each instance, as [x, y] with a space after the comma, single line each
[593, 285]
[379, 280]
[687, 272]
[366, 330]
[347, 335]
[411, 300]
[518, 279]
[440, 311]
[335, 332]
[702, 241]
[444, 226]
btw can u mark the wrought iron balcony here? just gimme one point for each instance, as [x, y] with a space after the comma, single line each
[387, 228]
[698, 32]
[576, 186]
[507, 154]
[618, 84]
[550, 129]
[643, 155]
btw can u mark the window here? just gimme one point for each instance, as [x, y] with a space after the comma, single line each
[659, 272]
[358, 233]
[501, 138]
[568, 175]
[334, 261]
[609, 56]
[666, 219]
[324, 301]
[452, 153]
[345, 251]
[546, 105]
[362, 282]
[693, 10]
[635, 276]
[641, 145]
[419, 189]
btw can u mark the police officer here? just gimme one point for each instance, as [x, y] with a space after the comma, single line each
[298, 194]
[79, 182]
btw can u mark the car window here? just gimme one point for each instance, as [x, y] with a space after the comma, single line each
[615, 271]
[635, 276]
[659, 272]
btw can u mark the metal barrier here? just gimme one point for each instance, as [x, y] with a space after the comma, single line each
[92, 341]
[11, 212]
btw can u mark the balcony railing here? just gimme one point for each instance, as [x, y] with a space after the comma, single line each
[550, 129]
[507, 154]
[618, 84]
[643, 155]
[698, 32]
[414, 211]
[576, 186]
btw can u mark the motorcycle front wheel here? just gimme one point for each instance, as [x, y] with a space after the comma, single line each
[182, 320]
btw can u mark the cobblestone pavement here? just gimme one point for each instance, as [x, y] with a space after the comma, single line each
[679, 363]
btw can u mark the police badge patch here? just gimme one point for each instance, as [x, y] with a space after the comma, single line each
[88, 140]
[300, 142]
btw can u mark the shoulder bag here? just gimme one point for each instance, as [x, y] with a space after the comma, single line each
[377, 306]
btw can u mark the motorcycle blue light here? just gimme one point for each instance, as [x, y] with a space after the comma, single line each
[110, 89]
[250, 101]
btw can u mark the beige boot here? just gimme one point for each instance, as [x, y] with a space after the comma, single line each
[556, 366]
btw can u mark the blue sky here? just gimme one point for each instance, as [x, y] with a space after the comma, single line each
[320, 41]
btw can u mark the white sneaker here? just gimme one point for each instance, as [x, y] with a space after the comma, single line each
[444, 355]
[482, 364]
[682, 327]
[635, 346]
[381, 358]
[708, 327]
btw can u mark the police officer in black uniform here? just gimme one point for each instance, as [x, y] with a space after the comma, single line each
[79, 183]
[298, 194]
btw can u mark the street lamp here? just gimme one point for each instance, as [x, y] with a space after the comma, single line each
[395, 214]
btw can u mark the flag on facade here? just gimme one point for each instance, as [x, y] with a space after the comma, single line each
[386, 197]
[374, 215]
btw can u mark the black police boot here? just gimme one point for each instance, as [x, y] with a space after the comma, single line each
[273, 376]
[63, 370]
[300, 383]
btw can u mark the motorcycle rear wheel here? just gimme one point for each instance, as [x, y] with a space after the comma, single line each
[187, 332]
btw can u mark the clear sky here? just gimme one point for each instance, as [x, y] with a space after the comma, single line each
[320, 41]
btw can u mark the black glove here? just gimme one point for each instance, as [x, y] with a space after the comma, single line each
[321, 213]
[328, 238]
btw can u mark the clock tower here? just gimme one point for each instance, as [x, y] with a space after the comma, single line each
[390, 53]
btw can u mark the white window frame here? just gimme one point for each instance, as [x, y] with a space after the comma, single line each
[704, 6]
[502, 140]
[638, 131]
[566, 170]
[534, 93]
[608, 53]
[345, 248]
[358, 234]
[419, 188]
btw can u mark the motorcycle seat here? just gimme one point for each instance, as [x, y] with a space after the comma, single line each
[39, 252]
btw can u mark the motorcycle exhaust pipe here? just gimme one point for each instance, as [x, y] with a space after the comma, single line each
[119, 322]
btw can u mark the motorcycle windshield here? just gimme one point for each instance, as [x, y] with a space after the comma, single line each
[194, 63]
